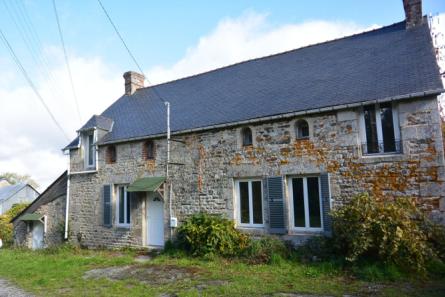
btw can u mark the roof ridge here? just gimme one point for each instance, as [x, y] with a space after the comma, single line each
[273, 55]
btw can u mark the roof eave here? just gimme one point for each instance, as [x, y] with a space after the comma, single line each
[284, 115]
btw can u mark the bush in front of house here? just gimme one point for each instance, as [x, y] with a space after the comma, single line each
[389, 232]
[205, 235]
[6, 228]
[266, 249]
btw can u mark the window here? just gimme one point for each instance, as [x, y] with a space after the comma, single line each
[110, 156]
[305, 202]
[123, 207]
[90, 150]
[148, 150]
[302, 129]
[250, 203]
[380, 129]
[246, 136]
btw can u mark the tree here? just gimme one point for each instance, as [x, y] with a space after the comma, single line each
[14, 178]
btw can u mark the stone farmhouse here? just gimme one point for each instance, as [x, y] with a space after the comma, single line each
[273, 143]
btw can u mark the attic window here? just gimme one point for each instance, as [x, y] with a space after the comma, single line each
[246, 136]
[110, 156]
[148, 150]
[302, 129]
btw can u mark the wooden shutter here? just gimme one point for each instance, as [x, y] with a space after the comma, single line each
[326, 201]
[276, 205]
[107, 206]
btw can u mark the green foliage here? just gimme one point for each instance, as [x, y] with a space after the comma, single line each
[14, 178]
[6, 228]
[203, 235]
[266, 249]
[387, 232]
[316, 248]
[435, 234]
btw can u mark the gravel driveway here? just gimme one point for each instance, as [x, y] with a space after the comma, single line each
[9, 290]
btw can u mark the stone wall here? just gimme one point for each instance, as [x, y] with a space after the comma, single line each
[213, 160]
[55, 222]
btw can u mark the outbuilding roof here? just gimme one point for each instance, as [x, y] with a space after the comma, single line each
[388, 63]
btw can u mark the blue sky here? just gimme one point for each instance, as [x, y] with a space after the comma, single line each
[170, 39]
[159, 32]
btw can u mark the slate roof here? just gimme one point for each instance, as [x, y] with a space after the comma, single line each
[98, 121]
[390, 62]
[8, 191]
[56, 190]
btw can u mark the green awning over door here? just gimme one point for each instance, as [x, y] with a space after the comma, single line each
[31, 217]
[146, 184]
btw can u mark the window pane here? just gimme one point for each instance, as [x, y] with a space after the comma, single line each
[247, 137]
[298, 200]
[389, 143]
[121, 205]
[257, 203]
[128, 207]
[371, 129]
[90, 149]
[302, 129]
[244, 202]
[314, 202]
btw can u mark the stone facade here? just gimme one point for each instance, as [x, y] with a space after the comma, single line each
[54, 213]
[212, 160]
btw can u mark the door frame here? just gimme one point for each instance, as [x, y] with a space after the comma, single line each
[149, 197]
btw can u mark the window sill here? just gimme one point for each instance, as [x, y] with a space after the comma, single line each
[83, 172]
[383, 157]
[123, 227]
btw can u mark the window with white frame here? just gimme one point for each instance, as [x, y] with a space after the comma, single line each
[90, 150]
[380, 129]
[305, 203]
[123, 211]
[249, 203]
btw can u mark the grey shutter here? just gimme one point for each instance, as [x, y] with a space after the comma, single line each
[326, 203]
[276, 205]
[107, 205]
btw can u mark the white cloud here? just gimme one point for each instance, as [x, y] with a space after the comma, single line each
[30, 143]
[249, 36]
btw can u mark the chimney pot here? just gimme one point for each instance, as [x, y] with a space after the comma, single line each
[413, 13]
[133, 81]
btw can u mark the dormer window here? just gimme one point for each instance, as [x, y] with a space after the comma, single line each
[148, 150]
[110, 155]
[90, 150]
[246, 136]
[302, 129]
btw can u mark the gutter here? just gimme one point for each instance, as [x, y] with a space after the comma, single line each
[283, 116]
[67, 207]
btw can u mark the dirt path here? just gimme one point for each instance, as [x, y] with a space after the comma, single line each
[9, 290]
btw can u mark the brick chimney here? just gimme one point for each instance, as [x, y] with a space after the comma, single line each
[413, 13]
[133, 81]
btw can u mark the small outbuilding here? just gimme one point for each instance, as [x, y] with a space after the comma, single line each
[42, 223]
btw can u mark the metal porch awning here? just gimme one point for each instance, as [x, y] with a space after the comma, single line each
[146, 184]
[31, 217]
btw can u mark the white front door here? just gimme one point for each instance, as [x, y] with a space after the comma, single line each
[37, 235]
[155, 221]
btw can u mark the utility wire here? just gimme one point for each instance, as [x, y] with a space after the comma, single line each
[30, 38]
[128, 50]
[66, 60]
[31, 84]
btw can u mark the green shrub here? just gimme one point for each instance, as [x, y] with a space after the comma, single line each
[266, 249]
[203, 235]
[384, 231]
[435, 234]
[6, 228]
[316, 248]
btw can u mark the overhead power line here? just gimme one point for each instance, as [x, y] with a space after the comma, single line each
[67, 61]
[129, 52]
[31, 84]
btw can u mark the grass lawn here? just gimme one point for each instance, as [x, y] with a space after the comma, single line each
[67, 272]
